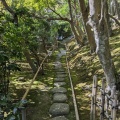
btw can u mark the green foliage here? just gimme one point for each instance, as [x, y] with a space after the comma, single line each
[11, 109]
[3, 57]
[64, 30]
[28, 35]
[13, 67]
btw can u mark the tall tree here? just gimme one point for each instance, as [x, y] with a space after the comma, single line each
[59, 11]
[75, 28]
[85, 12]
[98, 23]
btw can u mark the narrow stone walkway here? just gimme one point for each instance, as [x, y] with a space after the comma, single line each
[60, 108]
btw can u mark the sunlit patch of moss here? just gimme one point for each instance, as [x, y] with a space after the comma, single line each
[38, 96]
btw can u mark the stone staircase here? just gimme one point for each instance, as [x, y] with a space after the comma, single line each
[60, 108]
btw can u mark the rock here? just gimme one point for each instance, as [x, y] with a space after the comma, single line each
[60, 70]
[59, 79]
[58, 67]
[61, 76]
[58, 90]
[59, 118]
[59, 98]
[59, 109]
[59, 84]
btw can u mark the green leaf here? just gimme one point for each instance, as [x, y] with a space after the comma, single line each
[12, 117]
[3, 103]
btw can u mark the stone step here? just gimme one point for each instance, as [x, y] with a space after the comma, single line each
[59, 118]
[61, 76]
[59, 98]
[61, 72]
[58, 90]
[59, 84]
[59, 109]
[59, 79]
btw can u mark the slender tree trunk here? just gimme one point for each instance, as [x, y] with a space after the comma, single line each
[44, 45]
[28, 58]
[109, 26]
[77, 37]
[117, 9]
[80, 32]
[89, 32]
[36, 56]
[101, 37]
[114, 8]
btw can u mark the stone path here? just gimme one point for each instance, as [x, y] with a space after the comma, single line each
[60, 108]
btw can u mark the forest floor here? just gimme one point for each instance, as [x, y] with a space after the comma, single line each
[83, 66]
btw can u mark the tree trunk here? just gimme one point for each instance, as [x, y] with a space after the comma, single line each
[99, 26]
[36, 56]
[79, 30]
[77, 37]
[90, 36]
[44, 45]
[28, 58]
[114, 8]
[109, 26]
[117, 9]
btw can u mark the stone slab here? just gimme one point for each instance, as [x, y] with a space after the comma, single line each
[59, 98]
[61, 76]
[61, 72]
[59, 84]
[59, 109]
[58, 67]
[59, 79]
[58, 90]
[59, 118]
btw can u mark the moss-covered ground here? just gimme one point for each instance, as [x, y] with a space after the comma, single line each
[84, 65]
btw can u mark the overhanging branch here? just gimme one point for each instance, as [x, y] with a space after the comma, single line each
[117, 22]
[11, 11]
[50, 18]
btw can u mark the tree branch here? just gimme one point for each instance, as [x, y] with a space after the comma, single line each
[117, 22]
[55, 12]
[51, 18]
[60, 17]
[70, 9]
[11, 11]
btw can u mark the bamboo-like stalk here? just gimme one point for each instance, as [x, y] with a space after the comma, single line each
[112, 100]
[29, 87]
[102, 99]
[114, 104]
[23, 111]
[94, 96]
[72, 88]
